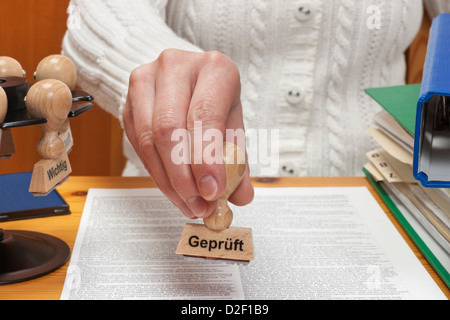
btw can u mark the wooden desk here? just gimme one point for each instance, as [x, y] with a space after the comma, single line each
[75, 192]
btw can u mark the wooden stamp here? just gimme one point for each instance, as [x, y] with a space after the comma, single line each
[60, 68]
[10, 67]
[230, 244]
[216, 239]
[57, 67]
[7, 148]
[50, 99]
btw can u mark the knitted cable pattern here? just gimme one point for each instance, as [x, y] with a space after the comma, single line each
[367, 71]
[221, 31]
[340, 60]
[189, 26]
[386, 70]
[256, 54]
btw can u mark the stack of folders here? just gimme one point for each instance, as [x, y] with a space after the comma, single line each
[423, 212]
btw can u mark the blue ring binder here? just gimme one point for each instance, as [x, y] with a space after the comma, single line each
[431, 165]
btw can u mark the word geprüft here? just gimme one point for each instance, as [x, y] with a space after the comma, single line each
[228, 244]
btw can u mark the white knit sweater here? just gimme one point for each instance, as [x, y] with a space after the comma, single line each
[304, 65]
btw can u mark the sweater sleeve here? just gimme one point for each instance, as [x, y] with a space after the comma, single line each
[436, 7]
[108, 39]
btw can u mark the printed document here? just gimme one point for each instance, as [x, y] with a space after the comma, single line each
[309, 243]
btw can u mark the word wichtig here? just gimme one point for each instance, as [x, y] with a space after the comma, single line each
[53, 172]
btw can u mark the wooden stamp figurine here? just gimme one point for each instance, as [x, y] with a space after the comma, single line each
[10, 67]
[50, 99]
[216, 239]
[7, 148]
[60, 68]
[3, 104]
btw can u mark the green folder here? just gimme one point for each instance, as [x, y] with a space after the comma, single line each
[400, 102]
[434, 262]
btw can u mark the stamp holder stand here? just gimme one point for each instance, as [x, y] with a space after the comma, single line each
[26, 255]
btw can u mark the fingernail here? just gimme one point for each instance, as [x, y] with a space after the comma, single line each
[208, 187]
[197, 206]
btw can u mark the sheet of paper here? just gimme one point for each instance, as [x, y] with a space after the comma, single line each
[310, 243]
[334, 243]
[125, 249]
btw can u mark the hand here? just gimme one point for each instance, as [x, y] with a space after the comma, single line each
[178, 91]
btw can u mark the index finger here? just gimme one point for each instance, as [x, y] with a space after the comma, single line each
[215, 107]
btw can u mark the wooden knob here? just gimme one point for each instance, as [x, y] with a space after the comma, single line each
[235, 166]
[3, 104]
[57, 67]
[10, 67]
[50, 99]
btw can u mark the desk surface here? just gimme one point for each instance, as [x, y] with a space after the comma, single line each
[75, 191]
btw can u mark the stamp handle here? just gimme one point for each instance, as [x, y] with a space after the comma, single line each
[10, 67]
[235, 166]
[50, 99]
[3, 104]
[57, 67]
